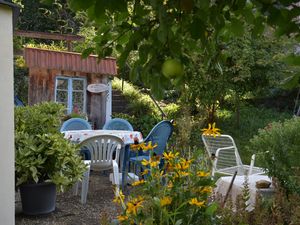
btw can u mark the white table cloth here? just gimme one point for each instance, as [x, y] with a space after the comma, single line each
[223, 183]
[128, 137]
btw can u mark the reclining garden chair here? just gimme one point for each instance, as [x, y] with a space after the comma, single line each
[225, 156]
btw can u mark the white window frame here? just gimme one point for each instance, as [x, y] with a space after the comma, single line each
[70, 91]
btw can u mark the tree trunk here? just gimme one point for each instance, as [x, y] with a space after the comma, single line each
[237, 105]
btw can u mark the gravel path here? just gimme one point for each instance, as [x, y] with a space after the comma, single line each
[69, 210]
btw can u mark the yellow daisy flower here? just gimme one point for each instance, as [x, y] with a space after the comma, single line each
[170, 155]
[134, 205]
[145, 162]
[145, 172]
[119, 197]
[149, 146]
[194, 201]
[154, 163]
[122, 218]
[165, 201]
[202, 174]
[170, 184]
[135, 147]
[136, 183]
[211, 130]
[206, 189]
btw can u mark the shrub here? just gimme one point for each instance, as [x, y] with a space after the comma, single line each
[42, 153]
[143, 123]
[278, 145]
[175, 194]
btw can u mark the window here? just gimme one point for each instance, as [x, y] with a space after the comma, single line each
[72, 93]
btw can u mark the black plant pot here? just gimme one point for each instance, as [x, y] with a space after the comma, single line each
[38, 198]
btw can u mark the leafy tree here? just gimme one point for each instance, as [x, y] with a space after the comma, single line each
[159, 30]
[245, 65]
[56, 18]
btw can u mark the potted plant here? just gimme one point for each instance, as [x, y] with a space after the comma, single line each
[44, 160]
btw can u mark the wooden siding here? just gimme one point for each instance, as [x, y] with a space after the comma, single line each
[69, 61]
[42, 88]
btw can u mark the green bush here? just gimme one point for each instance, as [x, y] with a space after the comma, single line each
[143, 123]
[278, 145]
[172, 110]
[42, 154]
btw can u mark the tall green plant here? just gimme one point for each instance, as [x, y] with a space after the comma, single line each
[41, 152]
[278, 147]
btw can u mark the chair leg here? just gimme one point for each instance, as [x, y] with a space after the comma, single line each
[85, 186]
[75, 188]
[116, 174]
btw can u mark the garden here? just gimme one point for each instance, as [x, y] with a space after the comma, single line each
[211, 68]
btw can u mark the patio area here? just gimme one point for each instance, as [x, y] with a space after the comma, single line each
[70, 211]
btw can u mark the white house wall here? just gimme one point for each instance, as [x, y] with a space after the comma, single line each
[7, 212]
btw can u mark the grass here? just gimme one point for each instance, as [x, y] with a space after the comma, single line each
[251, 119]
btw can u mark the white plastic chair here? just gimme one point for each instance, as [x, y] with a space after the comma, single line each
[105, 152]
[225, 156]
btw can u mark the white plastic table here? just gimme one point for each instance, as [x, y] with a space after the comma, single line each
[128, 137]
[223, 184]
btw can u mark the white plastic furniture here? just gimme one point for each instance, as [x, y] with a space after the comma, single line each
[105, 152]
[225, 156]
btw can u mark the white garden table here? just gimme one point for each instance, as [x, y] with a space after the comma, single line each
[128, 137]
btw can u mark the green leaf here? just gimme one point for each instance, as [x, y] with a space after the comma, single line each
[292, 60]
[81, 4]
[143, 53]
[237, 27]
[291, 81]
[119, 48]
[178, 222]
[197, 29]
[211, 209]
[259, 26]
[87, 52]
[162, 34]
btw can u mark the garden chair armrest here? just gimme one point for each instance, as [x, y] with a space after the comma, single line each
[224, 148]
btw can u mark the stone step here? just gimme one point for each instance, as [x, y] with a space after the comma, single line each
[119, 102]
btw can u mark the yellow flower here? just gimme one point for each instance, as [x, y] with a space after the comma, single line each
[145, 172]
[154, 163]
[134, 205]
[194, 201]
[183, 165]
[165, 201]
[170, 155]
[206, 189]
[119, 197]
[149, 146]
[183, 173]
[135, 147]
[136, 183]
[202, 174]
[122, 218]
[145, 162]
[170, 184]
[211, 130]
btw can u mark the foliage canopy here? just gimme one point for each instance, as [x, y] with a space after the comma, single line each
[157, 30]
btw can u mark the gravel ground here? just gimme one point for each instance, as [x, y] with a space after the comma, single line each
[69, 210]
